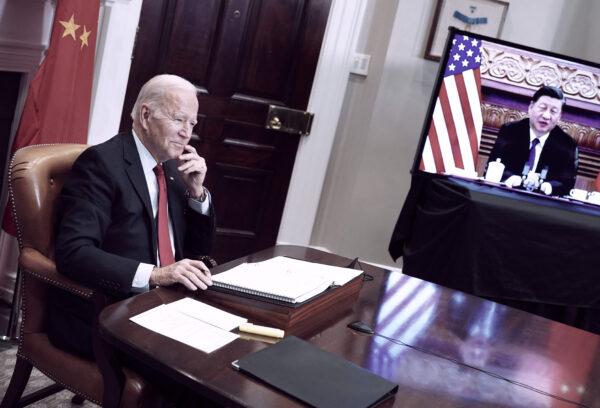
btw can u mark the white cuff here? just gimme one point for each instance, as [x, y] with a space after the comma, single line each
[142, 277]
[201, 207]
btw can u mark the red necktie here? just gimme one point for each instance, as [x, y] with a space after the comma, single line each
[165, 251]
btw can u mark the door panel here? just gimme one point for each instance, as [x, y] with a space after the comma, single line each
[266, 68]
[243, 55]
[192, 37]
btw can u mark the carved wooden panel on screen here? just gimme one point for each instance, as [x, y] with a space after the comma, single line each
[243, 55]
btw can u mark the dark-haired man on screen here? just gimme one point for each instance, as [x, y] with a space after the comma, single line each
[539, 143]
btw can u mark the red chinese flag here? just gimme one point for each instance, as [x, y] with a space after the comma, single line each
[57, 108]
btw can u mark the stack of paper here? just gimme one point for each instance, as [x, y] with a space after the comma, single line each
[286, 279]
[194, 323]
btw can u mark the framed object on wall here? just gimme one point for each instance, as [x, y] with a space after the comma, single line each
[484, 17]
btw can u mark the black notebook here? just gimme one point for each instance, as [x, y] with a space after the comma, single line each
[315, 376]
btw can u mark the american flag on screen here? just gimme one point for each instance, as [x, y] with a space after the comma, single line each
[455, 132]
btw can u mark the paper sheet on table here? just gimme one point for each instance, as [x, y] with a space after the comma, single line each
[209, 314]
[169, 321]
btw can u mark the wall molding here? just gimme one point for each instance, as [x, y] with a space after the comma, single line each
[326, 99]
[116, 35]
[17, 56]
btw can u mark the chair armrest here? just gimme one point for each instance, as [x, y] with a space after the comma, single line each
[43, 268]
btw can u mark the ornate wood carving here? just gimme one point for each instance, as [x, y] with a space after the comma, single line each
[530, 71]
[495, 116]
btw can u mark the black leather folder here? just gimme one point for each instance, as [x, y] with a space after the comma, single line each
[315, 376]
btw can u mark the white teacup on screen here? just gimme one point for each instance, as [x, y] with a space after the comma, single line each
[594, 197]
[578, 194]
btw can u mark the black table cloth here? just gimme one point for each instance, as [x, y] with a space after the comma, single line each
[518, 248]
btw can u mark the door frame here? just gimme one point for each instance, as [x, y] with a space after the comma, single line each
[326, 100]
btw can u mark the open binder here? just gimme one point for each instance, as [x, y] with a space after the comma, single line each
[315, 376]
[283, 279]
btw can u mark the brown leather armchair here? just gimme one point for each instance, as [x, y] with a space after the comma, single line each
[36, 176]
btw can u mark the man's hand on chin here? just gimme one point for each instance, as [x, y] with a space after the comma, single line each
[189, 272]
[193, 169]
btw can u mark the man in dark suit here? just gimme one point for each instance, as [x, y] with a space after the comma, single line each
[134, 211]
[540, 144]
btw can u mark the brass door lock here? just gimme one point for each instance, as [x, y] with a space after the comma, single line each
[289, 120]
[275, 123]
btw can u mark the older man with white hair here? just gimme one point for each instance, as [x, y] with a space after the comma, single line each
[134, 211]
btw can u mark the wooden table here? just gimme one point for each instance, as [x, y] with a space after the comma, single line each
[450, 326]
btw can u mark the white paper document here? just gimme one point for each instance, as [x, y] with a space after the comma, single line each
[209, 314]
[194, 323]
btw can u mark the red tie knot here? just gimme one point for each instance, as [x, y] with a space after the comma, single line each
[158, 170]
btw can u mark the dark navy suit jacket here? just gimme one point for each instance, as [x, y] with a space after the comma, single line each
[559, 155]
[107, 226]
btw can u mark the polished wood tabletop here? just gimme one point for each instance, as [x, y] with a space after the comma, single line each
[443, 348]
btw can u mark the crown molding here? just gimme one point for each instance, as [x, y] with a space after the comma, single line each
[20, 56]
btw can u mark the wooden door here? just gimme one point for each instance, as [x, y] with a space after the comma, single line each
[243, 55]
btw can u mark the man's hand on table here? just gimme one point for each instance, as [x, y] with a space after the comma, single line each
[189, 272]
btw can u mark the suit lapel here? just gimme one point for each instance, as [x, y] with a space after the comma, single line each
[546, 151]
[176, 205]
[524, 144]
[138, 180]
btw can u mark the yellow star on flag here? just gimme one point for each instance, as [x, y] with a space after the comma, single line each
[70, 27]
[84, 37]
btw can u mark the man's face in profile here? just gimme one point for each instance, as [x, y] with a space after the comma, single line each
[170, 127]
[544, 114]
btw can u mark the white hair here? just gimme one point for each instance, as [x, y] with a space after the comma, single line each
[156, 92]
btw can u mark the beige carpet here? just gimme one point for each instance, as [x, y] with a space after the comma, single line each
[36, 381]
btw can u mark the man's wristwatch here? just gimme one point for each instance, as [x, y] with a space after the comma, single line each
[202, 197]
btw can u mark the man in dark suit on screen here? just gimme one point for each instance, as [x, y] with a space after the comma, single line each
[134, 211]
[539, 144]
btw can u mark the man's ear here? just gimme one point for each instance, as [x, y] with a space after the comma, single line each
[144, 116]
[530, 107]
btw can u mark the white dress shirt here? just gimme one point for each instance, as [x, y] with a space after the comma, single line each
[142, 274]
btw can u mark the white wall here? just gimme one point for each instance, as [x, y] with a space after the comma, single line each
[117, 30]
[25, 21]
[368, 175]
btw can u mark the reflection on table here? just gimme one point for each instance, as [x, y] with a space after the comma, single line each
[545, 356]
[481, 334]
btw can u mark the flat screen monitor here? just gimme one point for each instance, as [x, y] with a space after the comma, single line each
[513, 116]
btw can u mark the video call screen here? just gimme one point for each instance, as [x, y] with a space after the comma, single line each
[484, 84]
